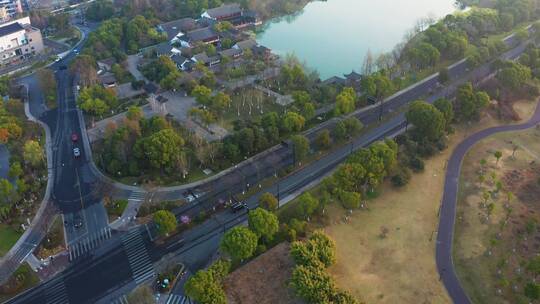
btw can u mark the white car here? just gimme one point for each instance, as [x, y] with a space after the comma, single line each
[76, 152]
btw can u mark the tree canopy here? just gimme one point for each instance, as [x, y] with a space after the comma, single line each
[239, 243]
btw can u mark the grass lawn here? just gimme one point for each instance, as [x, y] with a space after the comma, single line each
[8, 237]
[490, 252]
[23, 279]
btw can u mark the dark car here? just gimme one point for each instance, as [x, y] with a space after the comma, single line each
[238, 206]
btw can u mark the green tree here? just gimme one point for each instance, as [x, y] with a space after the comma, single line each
[470, 103]
[312, 284]
[239, 243]
[447, 109]
[162, 149]
[498, 155]
[345, 101]
[427, 120]
[204, 288]
[513, 75]
[532, 291]
[15, 170]
[8, 193]
[300, 147]
[165, 222]
[33, 153]
[350, 200]
[203, 95]
[534, 265]
[293, 122]
[268, 201]
[264, 223]
[221, 101]
[134, 113]
[323, 140]
[307, 204]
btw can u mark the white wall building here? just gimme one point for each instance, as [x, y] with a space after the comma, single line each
[12, 7]
[19, 40]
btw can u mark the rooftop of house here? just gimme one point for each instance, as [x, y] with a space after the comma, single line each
[202, 34]
[179, 59]
[201, 57]
[230, 52]
[172, 28]
[353, 76]
[107, 79]
[246, 44]
[224, 10]
[150, 88]
[334, 80]
[163, 48]
[10, 29]
[109, 61]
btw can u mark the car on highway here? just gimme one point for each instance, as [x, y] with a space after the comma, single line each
[76, 152]
[76, 51]
[74, 137]
[237, 206]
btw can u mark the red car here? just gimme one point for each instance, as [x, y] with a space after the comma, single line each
[74, 137]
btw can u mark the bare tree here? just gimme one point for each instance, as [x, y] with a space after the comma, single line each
[367, 66]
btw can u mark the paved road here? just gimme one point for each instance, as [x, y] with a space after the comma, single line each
[4, 161]
[445, 235]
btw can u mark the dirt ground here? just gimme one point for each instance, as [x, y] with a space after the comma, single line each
[491, 250]
[263, 280]
[399, 268]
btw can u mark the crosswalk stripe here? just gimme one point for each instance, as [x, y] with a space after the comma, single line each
[178, 299]
[138, 258]
[56, 293]
[85, 245]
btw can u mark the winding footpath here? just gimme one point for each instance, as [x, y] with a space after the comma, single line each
[445, 236]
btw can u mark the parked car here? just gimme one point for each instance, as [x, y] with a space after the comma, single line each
[238, 206]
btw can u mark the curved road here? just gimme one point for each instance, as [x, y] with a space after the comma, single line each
[445, 236]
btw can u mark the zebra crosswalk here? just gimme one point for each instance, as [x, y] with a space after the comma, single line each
[137, 196]
[139, 261]
[86, 244]
[179, 299]
[56, 292]
[122, 300]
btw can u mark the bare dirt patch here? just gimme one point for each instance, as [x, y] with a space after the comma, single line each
[263, 280]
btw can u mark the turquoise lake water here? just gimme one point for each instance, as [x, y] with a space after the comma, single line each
[334, 36]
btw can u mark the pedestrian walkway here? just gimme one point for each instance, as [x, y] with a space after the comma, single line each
[56, 292]
[135, 200]
[83, 246]
[176, 299]
[139, 261]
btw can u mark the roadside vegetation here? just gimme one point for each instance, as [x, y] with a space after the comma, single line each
[21, 192]
[22, 279]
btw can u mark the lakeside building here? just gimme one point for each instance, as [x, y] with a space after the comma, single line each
[19, 40]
